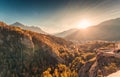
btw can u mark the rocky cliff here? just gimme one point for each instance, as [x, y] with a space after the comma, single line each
[103, 65]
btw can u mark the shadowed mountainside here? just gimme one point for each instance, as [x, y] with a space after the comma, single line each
[26, 50]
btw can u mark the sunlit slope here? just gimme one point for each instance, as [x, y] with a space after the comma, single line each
[108, 30]
[65, 33]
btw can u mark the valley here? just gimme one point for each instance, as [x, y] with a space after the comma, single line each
[24, 53]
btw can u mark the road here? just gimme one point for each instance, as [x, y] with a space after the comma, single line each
[117, 55]
[109, 53]
[116, 74]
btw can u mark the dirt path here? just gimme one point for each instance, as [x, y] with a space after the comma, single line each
[116, 74]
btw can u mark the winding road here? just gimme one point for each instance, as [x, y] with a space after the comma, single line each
[116, 74]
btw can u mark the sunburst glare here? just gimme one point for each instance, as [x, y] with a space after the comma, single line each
[84, 24]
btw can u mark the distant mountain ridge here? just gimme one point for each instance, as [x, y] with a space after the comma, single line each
[66, 33]
[107, 30]
[17, 24]
[31, 28]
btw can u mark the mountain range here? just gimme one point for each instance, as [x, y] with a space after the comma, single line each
[24, 53]
[107, 30]
[31, 28]
[66, 33]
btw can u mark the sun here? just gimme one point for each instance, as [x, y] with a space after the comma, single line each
[84, 24]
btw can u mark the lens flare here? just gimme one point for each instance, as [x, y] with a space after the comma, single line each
[84, 24]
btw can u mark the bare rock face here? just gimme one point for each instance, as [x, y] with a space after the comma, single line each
[105, 64]
[84, 71]
[27, 41]
[1, 42]
[93, 70]
[1, 37]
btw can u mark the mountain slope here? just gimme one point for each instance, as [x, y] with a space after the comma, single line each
[25, 53]
[31, 28]
[108, 30]
[29, 52]
[65, 33]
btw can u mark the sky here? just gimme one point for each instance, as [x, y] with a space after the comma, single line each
[58, 15]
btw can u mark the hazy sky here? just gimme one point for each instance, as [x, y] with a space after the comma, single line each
[58, 15]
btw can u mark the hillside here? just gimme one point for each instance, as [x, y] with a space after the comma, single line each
[31, 28]
[25, 53]
[108, 30]
[66, 33]
[25, 50]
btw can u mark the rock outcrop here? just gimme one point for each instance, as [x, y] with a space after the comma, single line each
[84, 71]
[93, 70]
[105, 64]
